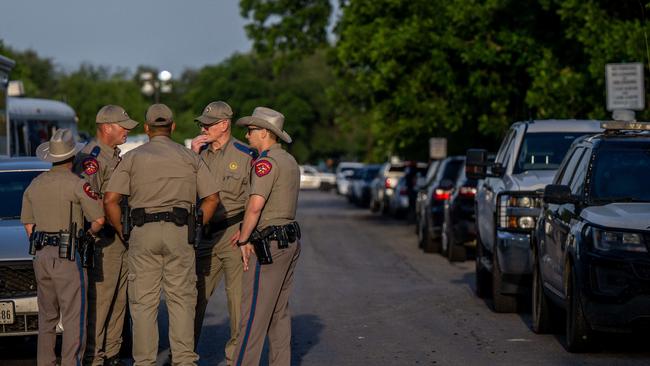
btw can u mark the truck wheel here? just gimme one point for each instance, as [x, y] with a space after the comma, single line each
[482, 277]
[455, 252]
[579, 336]
[374, 206]
[501, 303]
[544, 313]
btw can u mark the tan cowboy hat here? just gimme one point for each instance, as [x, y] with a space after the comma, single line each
[269, 119]
[60, 147]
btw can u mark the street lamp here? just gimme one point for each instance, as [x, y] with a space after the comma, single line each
[151, 85]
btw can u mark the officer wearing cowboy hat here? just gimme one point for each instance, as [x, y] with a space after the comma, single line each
[271, 211]
[49, 202]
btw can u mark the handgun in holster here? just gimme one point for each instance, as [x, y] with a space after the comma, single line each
[125, 219]
[35, 241]
[261, 247]
[193, 226]
[86, 244]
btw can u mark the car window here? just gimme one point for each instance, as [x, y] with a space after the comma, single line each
[12, 186]
[543, 150]
[452, 170]
[431, 172]
[577, 183]
[621, 175]
[570, 166]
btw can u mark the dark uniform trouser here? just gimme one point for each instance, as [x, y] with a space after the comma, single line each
[223, 259]
[106, 302]
[265, 307]
[160, 259]
[61, 289]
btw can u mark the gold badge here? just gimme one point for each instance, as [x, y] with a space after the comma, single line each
[233, 166]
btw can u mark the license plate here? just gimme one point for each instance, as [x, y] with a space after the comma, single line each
[7, 311]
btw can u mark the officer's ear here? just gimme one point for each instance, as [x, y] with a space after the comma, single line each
[173, 126]
[146, 128]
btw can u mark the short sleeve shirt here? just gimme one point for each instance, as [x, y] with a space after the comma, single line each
[230, 168]
[162, 174]
[276, 177]
[47, 201]
[95, 163]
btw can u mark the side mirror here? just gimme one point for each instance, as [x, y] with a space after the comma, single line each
[498, 170]
[476, 162]
[558, 194]
[446, 184]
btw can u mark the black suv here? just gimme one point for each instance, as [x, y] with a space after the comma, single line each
[458, 227]
[591, 247]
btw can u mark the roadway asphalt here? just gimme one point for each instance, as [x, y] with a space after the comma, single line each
[366, 295]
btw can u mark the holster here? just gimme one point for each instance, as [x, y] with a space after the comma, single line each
[125, 219]
[86, 247]
[262, 248]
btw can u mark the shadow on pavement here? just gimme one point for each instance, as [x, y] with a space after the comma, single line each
[18, 351]
[305, 330]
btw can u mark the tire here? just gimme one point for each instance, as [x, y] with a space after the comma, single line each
[374, 206]
[417, 225]
[444, 240]
[483, 280]
[544, 313]
[383, 207]
[429, 244]
[455, 252]
[501, 303]
[579, 336]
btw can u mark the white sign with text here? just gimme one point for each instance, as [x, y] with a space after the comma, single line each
[625, 88]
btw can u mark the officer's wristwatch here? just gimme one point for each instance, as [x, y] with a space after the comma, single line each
[242, 243]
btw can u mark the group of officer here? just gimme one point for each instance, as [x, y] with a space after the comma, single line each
[165, 219]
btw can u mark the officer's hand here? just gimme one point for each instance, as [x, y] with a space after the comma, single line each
[199, 141]
[246, 251]
[235, 238]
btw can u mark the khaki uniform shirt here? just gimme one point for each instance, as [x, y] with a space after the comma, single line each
[276, 177]
[161, 174]
[230, 167]
[46, 201]
[95, 163]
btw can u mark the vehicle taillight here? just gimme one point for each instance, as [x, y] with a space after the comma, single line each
[441, 194]
[467, 191]
[387, 183]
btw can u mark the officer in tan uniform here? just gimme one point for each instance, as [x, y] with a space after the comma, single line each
[162, 180]
[269, 235]
[229, 162]
[50, 203]
[107, 280]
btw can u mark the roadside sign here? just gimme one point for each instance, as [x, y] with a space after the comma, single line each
[625, 88]
[437, 148]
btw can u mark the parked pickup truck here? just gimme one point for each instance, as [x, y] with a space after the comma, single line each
[508, 202]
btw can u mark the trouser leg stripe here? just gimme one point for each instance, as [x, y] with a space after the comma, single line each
[249, 325]
[82, 314]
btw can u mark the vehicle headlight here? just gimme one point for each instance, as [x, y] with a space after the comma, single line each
[518, 212]
[607, 240]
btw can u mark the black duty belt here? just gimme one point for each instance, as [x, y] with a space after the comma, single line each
[283, 234]
[220, 225]
[178, 216]
[48, 238]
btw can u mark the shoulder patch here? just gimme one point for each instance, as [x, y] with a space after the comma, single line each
[263, 167]
[90, 165]
[246, 150]
[89, 191]
[95, 151]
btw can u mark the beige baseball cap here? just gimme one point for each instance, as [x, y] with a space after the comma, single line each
[159, 115]
[215, 112]
[115, 114]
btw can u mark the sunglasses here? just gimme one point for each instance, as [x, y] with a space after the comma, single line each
[206, 126]
[251, 129]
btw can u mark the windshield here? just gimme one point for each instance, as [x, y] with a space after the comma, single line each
[621, 176]
[12, 186]
[544, 150]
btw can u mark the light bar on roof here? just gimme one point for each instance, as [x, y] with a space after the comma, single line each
[625, 125]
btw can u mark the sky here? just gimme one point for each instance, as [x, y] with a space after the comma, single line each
[169, 35]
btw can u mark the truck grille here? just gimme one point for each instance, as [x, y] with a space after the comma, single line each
[17, 279]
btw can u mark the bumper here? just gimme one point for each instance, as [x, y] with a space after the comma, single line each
[616, 293]
[515, 256]
[25, 318]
